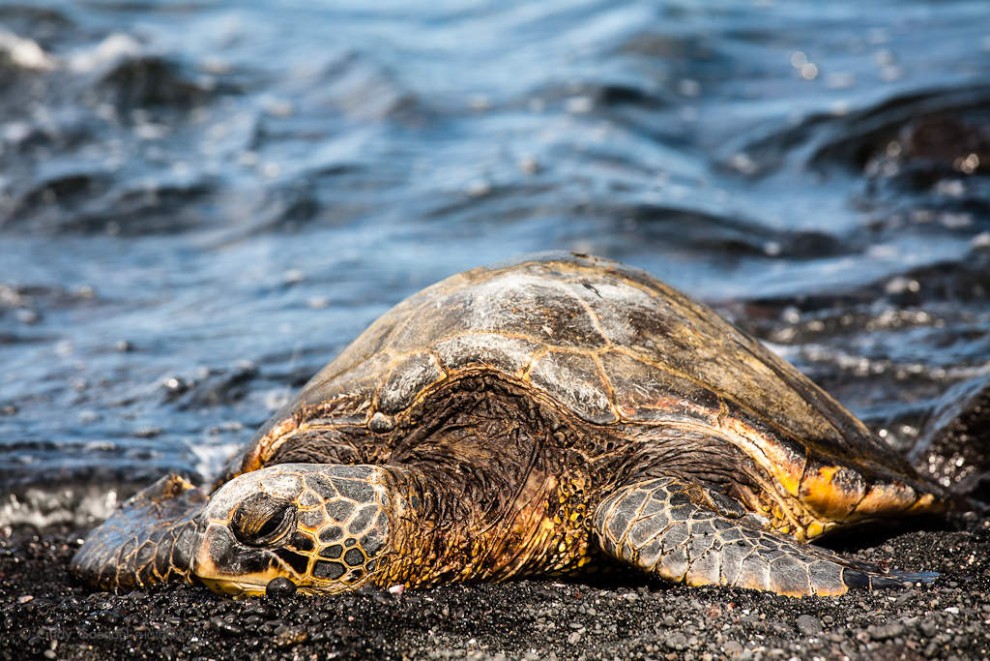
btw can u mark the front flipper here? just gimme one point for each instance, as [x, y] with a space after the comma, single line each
[151, 539]
[683, 533]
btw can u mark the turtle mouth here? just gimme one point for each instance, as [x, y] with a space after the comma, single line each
[237, 588]
[239, 571]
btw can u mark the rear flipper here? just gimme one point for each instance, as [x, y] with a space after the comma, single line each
[683, 533]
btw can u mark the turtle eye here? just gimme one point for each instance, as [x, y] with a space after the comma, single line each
[262, 521]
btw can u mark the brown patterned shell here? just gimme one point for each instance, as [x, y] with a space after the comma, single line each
[607, 342]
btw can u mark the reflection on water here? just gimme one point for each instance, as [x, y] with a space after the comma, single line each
[200, 203]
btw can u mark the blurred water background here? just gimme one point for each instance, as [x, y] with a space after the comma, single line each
[202, 201]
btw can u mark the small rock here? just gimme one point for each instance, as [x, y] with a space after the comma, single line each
[677, 641]
[809, 625]
[280, 587]
[25, 598]
[287, 636]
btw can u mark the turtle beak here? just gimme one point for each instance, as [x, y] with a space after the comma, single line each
[228, 567]
[247, 532]
[151, 539]
[226, 564]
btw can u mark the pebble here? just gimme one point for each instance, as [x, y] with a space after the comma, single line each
[280, 587]
[676, 641]
[286, 636]
[25, 598]
[809, 625]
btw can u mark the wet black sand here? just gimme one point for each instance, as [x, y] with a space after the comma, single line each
[45, 614]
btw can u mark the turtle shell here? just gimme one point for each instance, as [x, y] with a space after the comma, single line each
[606, 342]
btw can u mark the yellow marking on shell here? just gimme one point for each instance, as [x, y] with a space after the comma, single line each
[885, 499]
[926, 503]
[831, 492]
[839, 590]
[785, 467]
[533, 360]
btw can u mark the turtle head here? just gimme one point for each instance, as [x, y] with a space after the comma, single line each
[322, 527]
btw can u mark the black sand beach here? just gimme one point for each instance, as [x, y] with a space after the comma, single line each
[46, 614]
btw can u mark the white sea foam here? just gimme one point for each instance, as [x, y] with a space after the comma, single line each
[115, 47]
[78, 506]
[212, 459]
[25, 53]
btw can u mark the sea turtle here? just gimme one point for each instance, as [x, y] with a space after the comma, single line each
[555, 414]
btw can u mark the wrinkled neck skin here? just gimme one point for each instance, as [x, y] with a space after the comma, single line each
[448, 530]
[151, 539]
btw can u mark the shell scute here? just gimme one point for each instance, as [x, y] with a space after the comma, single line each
[533, 306]
[623, 312]
[644, 392]
[344, 397]
[486, 350]
[575, 380]
[407, 380]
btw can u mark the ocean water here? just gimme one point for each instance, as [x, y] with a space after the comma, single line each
[201, 202]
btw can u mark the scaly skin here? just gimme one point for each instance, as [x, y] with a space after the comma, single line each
[684, 533]
[150, 540]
